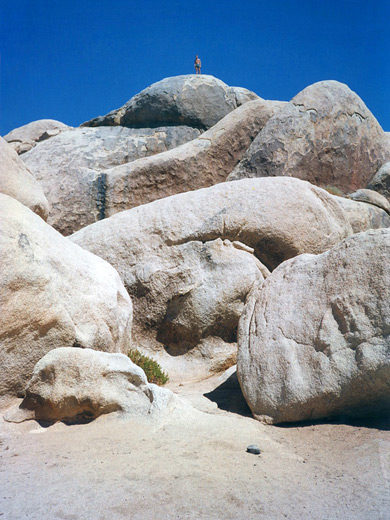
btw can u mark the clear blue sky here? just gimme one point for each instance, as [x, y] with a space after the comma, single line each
[76, 59]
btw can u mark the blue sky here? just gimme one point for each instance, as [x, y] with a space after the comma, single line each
[76, 59]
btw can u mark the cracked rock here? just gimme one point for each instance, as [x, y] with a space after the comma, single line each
[314, 338]
[325, 135]
[72, 167]
[91, 173]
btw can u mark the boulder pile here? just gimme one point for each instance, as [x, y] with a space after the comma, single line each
[91, 173]
[203, 206]
[188, 261]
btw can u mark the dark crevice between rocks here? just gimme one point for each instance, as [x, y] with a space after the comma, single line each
[44, 137]
[145, 123]
[101, 188]
[271, 252]
[158, 124]
[179, 335]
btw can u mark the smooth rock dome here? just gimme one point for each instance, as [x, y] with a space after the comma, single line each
[197, 101]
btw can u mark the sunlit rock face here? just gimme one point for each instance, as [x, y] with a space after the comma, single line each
[53, 294]
[325, 135]
[314, 337]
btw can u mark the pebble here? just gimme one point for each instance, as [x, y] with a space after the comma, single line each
[253, 448]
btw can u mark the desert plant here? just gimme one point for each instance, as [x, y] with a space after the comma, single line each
[152, 369]
[334, 190]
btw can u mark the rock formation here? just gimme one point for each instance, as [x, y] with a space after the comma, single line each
[371, 197]
[314, 337]
[144, 188]
[198, 164]
[53, 294]
[362, 215]
[92, 173]
[186, 260]
[381, 180]
[325, 135]
[74, 384]
[18, 182]
[197, 101]
[71, 167]
[25, 137]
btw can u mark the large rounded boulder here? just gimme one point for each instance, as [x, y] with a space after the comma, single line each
[199, 101]
[314, 337]
[78, 385]
[53, 294]
[325, 135]
[363, 215]
[371, 197]
[25, 137]
[17, 181]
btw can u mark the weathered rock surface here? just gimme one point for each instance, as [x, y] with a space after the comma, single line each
[371, 197]
[18, 182]
[201, 163]
[74, 384]
[325, 135]
[186, 260]
[53, 294]
[197, 101]
[363, 216]
[71, 166]
[243, 95]
[24, 138]
[381, 180]
[314, 338]
[79, 174]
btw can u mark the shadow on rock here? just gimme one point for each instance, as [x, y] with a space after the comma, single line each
[373, 422]
[228, 396]
[75, 422]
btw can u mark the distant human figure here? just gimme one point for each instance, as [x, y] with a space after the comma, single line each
[198, 65]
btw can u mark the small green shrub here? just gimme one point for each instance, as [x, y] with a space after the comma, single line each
[333, 190]
[152, 369]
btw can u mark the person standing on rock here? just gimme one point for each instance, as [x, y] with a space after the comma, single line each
[198, 65]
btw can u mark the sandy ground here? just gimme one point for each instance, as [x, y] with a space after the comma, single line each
[193, 464]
